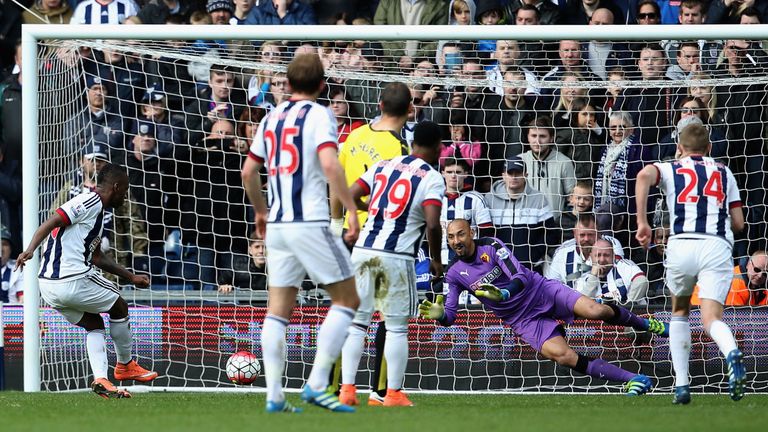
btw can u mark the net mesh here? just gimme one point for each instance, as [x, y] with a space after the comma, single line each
[180, 116]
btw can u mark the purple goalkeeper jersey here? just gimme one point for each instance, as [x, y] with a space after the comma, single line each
[535, 303]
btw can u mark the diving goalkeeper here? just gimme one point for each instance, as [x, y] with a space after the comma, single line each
[531, 304]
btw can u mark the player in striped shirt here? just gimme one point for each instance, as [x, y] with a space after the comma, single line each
[297, 144]
[103, 11]
[70, 284]
[406, 194]
[705, 209]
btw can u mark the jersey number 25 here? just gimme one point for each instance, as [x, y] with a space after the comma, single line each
[286, 146]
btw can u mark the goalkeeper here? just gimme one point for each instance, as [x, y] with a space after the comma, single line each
[531, 304]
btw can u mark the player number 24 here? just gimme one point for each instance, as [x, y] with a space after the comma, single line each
[398, 195]
[286, 146]
[713, 188]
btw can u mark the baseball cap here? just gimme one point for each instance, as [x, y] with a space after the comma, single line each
[146, 129]
[153, 94]
[214, 5]
[515, 164]
[92, 80]
[96, 150]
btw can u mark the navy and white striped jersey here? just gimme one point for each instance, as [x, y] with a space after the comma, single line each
[103, 12]
[700, 193]
[569, 257]
[469, 206]
[399, 190]
[68, 250]
[288, 141]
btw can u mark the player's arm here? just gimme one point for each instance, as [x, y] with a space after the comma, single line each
[646, 178]
[109, 265]
[337, 209]
[333, 171]
[434, 235]
[442, 311]
[57, 220]
[359, 189]
[734, 204]
[252, 185]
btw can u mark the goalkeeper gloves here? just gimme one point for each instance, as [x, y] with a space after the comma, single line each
[435, 311]
[492, 292]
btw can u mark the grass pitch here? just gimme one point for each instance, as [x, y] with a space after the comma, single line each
[214, 412]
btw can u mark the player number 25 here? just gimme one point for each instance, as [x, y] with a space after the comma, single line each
[713, 188]
[398, 195]
[286, 146]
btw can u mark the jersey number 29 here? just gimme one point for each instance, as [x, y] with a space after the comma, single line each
[398, 195]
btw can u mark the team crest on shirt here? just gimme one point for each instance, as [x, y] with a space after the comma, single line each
[78, 209]
[502, 254]
[485, 258]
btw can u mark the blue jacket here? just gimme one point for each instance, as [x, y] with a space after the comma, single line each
[266, 14]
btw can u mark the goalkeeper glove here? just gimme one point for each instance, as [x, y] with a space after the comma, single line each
[492, 292]
[337, 225]
[435, 311]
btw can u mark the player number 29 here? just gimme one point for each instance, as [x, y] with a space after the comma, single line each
[713, 188]
[398, 195]
[286, 146]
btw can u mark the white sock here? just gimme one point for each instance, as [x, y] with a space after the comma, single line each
[97, 353]
[273, 350]
[351, 353]
[723, 337]
[396, 354]
[120, 331]
[330, 339]
[680, 346]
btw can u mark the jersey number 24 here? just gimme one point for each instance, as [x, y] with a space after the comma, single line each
[713, 188]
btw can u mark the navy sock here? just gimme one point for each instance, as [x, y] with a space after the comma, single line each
[624, 317]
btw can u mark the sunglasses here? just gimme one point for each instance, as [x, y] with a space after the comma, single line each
[646, 16]
[758, 270]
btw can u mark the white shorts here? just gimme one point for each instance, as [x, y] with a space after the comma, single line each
[294, 251]
[706, 262]
[72, 297]
[385, 282]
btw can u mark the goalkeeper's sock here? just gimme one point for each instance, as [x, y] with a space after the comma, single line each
[273, 350]
[680, 346]
[330, 339]
[120, 330]
[396, 351]
[626, 318]
[723, 337]
[351, 352]
[97, 353]
[600, 368]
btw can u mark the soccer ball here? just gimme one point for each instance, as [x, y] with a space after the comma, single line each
[243, 368]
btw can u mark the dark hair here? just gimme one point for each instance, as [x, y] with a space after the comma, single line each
[584, 183]
[306, 73]
[578, 105]
[690, 4]
[586, 219]
[541, 122]
[352, 112]
[395, 99]
[654, 46]
[528, 7]
[684, 100]
[451, 161]
[427, 134]
[656, 8]
[110, 173]
[249, 115]
[751, 12]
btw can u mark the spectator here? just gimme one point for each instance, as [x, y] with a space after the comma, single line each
[612, 279]
[693, 12]
[160, 11]
[124, 75]
[462, 12]
[10, 198]
[507, 57]
[603, 55]
[170, 128]
[690, 107]
[247, 125]
[549, 13]
[11, 282]
[688, 57]
[563, 111]
[534, 53]
[648, 12]
[583, 139]
[489, 12]
[48, 12]
[271, 53]
[580, 201]
[470, 152]
[614, 92]
[582, 12]
[242, 10]
[570, 59]
[521, 215]
[97, 12]
[748, 287]
[547, 170]
[124, 232]
[10, 112]
[246, 271]
[574, 256]
[412, 12]
[287, 12]
[619, 163]
[751, 16]
[98, 124]
[218, 101]
[347, 119]
[654, 259]
[460, 203]
[729, 11]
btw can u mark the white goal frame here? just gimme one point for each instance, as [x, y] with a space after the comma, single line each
[31, 34]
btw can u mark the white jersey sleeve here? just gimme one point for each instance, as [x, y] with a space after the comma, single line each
[80, 208]
[320, 127]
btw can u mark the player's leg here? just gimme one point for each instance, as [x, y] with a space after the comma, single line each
[96, 346]
[557, 350]
[614, 314]
[120, 331]
[680, 347]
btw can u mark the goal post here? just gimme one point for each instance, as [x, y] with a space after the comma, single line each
[197, 329]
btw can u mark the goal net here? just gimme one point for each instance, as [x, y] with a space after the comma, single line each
[179, 114]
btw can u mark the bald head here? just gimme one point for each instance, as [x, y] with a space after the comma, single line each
[457, 224]
[601, 16]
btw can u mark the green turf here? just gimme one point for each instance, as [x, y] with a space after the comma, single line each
[477, 413]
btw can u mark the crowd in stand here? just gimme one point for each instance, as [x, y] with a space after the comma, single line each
[554, 166]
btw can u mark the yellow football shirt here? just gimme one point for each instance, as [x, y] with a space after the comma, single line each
[363, 148]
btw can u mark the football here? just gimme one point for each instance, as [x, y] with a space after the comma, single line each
[243, 368]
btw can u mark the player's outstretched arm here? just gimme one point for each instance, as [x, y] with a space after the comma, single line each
[252, 185]
[333, 171]
[53, 222]
[107, 264]
[492, 292]
[434, 238]
[646, 178]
